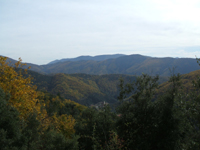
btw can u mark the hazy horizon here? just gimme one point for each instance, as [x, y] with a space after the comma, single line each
[42, 31]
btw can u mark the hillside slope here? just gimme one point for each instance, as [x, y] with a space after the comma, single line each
[82, 88]
[186, 81]
[91, 89]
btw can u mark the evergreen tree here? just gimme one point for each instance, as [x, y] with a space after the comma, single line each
[94, 128]
[148, 122]
[31, 133]
[53, 140]
[138, 121]
[10, 124]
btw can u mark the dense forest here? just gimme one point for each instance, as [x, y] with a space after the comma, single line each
[148, 116]
[83, 88]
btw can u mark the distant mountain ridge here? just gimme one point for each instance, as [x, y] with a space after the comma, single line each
[126, 64]
[95, 58]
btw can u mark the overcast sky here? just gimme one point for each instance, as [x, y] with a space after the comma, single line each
[40, 31]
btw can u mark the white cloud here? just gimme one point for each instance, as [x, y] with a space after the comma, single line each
[41, 31]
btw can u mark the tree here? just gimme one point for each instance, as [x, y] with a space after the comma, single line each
[29, 113]
[171, 117]
[148, 122]
[53, 140]
[94, 128]
[138, 119]
[31, 133]
[23, 95]
[10, 124]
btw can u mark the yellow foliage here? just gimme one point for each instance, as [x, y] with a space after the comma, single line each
[64, 124]
[23, 95]
[79, 106]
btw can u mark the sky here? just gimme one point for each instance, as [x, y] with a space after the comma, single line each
[41, 31]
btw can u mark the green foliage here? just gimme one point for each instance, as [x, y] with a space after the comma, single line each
[53, 140]
[190, 102]
[82, 88]
[171, 117]
[9, 124]
[138, 116]
[84, 128]
[31, 133]
[94, 127]
[146, 123]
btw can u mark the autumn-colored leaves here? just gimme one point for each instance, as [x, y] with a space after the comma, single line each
[23, 94]
[24, 97]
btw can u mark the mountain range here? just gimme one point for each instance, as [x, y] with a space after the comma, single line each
[118, 64]
[102, 78]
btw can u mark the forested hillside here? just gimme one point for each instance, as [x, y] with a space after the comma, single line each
[90, 89]
[83, 88]
[32, 119]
